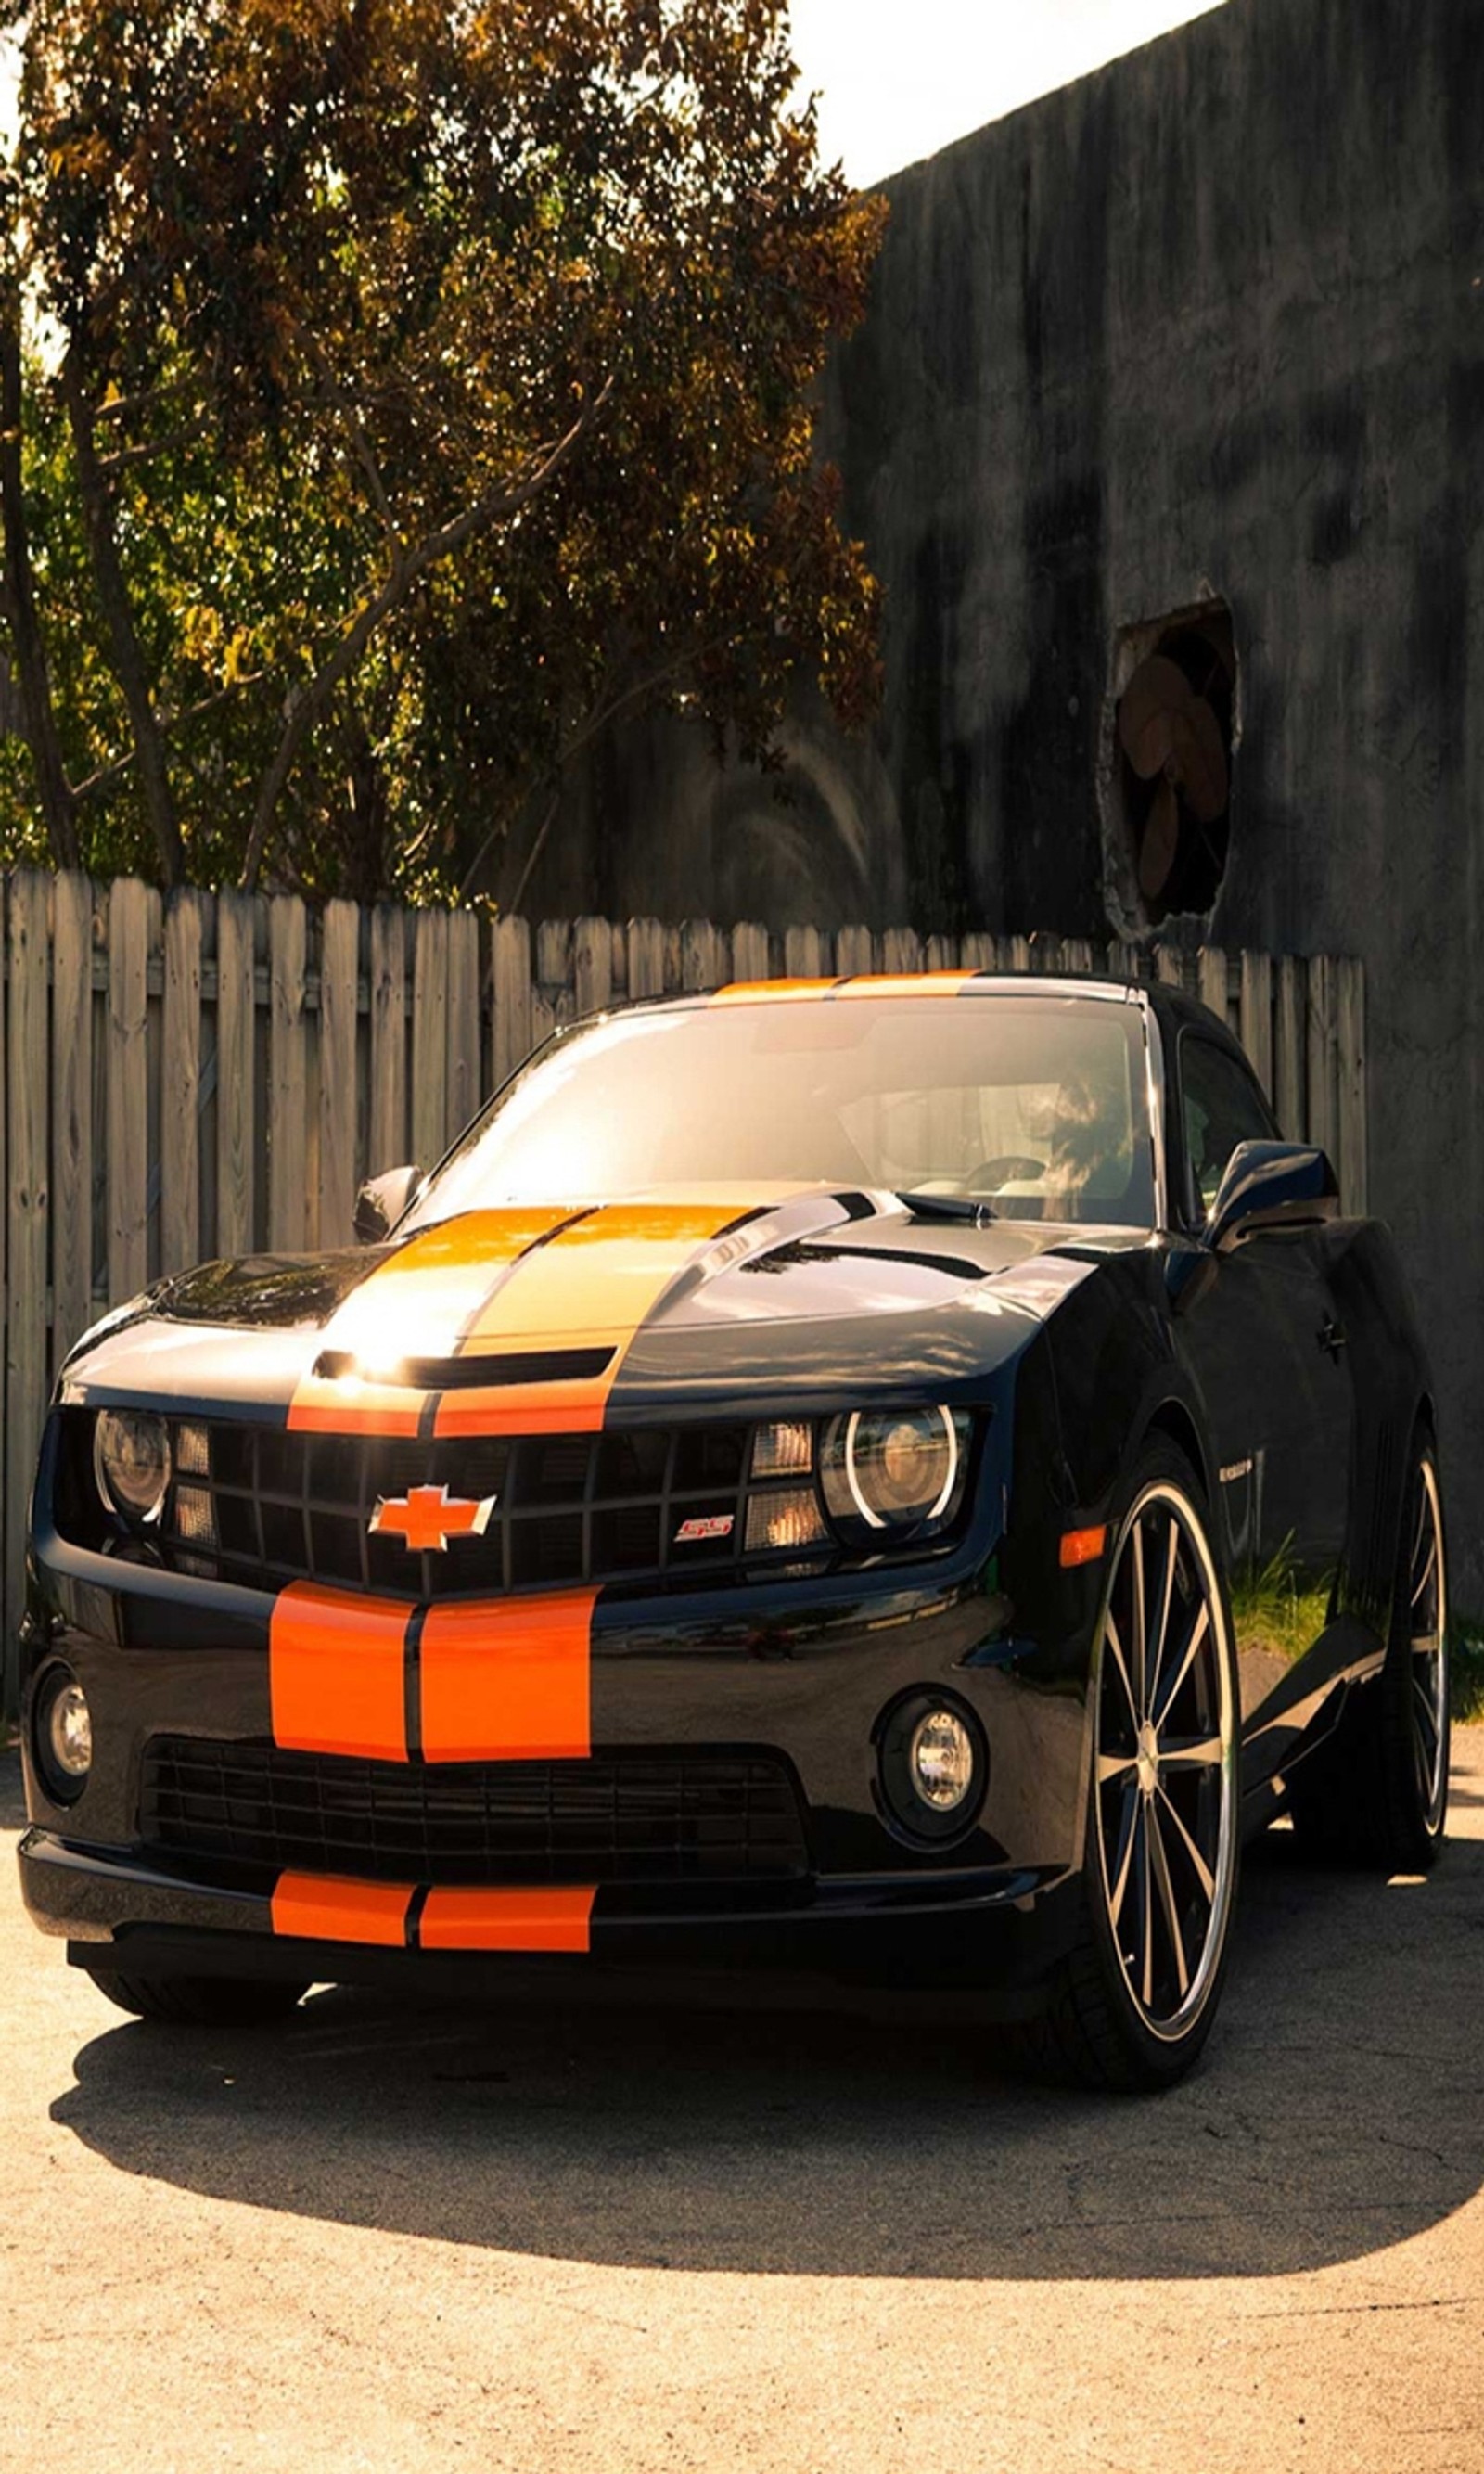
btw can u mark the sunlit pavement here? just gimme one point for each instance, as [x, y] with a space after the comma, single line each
[597, 2236]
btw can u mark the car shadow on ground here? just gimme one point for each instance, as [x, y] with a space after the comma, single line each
[1337, 2112]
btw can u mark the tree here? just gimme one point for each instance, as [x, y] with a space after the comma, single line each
[413, 389]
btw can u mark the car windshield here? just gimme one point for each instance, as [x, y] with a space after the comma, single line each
[1035, 1106]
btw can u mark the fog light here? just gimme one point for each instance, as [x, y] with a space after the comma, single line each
[786, 1516]
[941, 1760]
[64, 1737]
[934, 1767]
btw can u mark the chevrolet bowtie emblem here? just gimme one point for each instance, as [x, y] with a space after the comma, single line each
[426, 1517]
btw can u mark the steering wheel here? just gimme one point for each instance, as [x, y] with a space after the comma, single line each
[992, 1174]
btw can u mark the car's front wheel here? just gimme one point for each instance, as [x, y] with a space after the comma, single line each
[199, 2000]
[1132, 2005]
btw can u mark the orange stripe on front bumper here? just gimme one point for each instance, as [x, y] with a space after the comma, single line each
[533, 1919]
[314, 1906]
[335, 1672]
[509, 1680]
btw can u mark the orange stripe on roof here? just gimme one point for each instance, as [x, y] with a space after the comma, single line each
[418, 1303]
[908, 983]
[335, 1667]
[771, 991]
[529, 1919]
[320, 1906]
[508, 1680]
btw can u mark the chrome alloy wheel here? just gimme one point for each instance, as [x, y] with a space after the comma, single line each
[1166, 1756]
[1427, 1633]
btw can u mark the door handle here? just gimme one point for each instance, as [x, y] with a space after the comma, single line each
[1331, 1338]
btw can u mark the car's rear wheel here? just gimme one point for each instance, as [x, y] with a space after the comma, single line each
[1378, 1793]
[1132, 2005]
[200, 2000]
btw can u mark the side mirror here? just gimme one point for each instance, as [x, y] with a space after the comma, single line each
[1271, 1185]
[381, 1201]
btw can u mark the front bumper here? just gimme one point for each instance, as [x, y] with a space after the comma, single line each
[804, 1669]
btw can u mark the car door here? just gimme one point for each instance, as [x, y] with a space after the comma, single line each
[1268, 1356]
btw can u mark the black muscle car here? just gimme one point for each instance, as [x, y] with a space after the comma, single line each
[899, 1476]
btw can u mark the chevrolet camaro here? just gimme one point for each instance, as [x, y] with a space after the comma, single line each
[898, 1478]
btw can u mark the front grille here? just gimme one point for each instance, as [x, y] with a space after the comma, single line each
[272, 1507]
[652, 1817]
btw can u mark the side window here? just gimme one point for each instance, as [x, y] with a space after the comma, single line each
[1223, 1107]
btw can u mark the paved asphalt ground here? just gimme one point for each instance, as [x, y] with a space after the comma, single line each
[586, 2235]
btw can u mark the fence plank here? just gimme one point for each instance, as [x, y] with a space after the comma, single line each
[749, 951]
[853, 953]
[1352, 1129]
[72, 1112]
[11, 1478]
[802, 958]
[551, 990]
[465, 1084]
[386, 1132]
[1212, 979]
[592, 965]
[1288, 1047]
[1320, 1029]
[429, 1036]
[646, 958]
[703, 962]
[130, 905]
[511, 998]
[901, 950]
[180, 1072]
[339, 970]
[28, 1209]
[287, 1076]
[235, 1075]
[1257, 1016]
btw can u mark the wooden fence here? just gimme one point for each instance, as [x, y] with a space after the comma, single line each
[216, 1073]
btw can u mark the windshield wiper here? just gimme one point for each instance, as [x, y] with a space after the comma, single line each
[950, 1206]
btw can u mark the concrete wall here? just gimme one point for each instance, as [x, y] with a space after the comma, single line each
[1209, 322]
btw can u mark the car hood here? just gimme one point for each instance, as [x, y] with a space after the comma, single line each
[689, 1298]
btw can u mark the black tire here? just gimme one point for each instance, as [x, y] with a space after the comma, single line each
[1099, 2026]
[200, 2000]
[1376, 1794]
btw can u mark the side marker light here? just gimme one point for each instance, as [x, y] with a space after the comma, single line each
[1081, 1546]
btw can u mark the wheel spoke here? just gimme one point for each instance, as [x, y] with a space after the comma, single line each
[1161, 1630]
[1425, 1715]
[1127, 1833]
[1198, 1863]
[1198, 1632]
[1192, 1752]
[1147, 1915]
[1166, 1890]
[1141, 1624]
[1115, 1644]
[1428, 1569]
[1114, 1765]
[1427, 1644]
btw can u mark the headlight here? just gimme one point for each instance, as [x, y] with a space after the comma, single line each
[131, 1461]
[893, 1470]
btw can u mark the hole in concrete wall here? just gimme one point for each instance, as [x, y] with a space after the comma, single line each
[1167, 789]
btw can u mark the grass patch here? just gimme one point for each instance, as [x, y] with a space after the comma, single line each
[1466, 1662]
[1277, 1607]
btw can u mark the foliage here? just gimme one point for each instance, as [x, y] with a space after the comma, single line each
[1465, 1662]
[1277, 1607]
[411, 389]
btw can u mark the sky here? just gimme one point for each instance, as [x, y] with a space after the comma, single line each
[898, 79]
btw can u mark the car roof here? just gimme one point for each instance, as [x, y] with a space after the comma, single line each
[1169, 1004]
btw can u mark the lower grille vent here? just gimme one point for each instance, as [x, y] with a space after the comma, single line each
[650, 1817]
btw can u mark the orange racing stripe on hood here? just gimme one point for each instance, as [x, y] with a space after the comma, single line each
[418, 1303]
[591, 1286]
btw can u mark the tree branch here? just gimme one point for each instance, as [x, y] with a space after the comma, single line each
[169, 724]
[58, 807]
[309, 701]
[118, 618]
